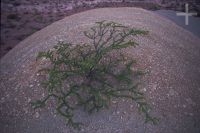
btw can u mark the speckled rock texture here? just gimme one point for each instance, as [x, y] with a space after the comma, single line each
[170, 54]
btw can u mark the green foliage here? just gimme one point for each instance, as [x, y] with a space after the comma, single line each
[90, 75]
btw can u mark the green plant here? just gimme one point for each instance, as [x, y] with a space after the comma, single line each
[90, 75]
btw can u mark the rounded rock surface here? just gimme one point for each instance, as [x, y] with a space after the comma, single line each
[169, 53]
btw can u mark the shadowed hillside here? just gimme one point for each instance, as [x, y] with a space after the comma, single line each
[21, 18]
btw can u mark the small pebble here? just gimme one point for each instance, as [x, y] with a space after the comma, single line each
[114, 102]
[154, 87]
[191, 114]
[29, 99]
[172, 92]
[31, 86]
[37, 115]
[26, 110]
[8, 95]
[190, 101]
[2, 100]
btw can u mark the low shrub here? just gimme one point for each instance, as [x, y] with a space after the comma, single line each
[90, 75]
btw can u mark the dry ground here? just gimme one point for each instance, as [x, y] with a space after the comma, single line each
[170, 53]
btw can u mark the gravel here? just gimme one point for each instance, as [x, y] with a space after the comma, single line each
[170, 53]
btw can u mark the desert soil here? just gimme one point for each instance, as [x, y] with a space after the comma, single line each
[169, 53]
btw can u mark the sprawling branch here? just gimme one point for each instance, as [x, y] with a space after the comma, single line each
[92, 74]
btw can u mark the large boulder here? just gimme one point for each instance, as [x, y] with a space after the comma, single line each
[170, 54]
